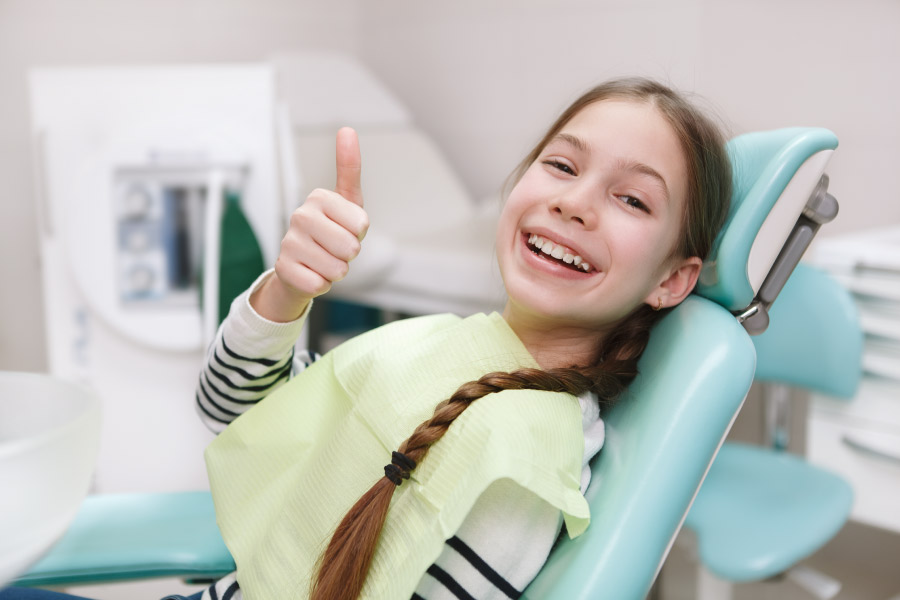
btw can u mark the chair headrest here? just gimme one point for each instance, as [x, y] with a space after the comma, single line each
[778, 175]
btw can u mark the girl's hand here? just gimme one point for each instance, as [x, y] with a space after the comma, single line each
[324, 236]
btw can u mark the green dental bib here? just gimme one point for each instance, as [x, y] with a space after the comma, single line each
[285, 473]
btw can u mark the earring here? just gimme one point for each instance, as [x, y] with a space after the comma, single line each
[659, 305]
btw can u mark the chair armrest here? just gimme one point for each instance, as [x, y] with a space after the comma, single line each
[135, 536]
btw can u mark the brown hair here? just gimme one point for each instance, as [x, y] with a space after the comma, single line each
[345, 562]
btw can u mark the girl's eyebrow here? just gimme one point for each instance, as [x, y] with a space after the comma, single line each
[572, 140]
[644, 169]
[621, 165]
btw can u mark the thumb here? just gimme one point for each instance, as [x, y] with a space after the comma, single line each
[349, 166]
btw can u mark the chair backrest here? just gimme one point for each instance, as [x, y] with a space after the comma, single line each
[663, 434]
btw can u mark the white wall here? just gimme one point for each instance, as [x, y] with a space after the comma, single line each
[487, 81]
[484, 78]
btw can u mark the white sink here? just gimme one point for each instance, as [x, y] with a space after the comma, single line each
[49, 439]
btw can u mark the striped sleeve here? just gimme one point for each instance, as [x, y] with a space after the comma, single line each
[249, 358]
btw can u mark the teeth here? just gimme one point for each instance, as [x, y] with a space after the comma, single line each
[558, 252]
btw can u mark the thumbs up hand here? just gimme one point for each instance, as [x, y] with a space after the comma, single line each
[324, 236]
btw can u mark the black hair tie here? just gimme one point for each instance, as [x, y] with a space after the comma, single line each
[399, 468]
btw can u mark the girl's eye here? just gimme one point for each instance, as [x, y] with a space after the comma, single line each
[635, 203]
[559, 166]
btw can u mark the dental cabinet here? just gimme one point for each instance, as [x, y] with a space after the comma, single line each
[860, 439]
[134, 166]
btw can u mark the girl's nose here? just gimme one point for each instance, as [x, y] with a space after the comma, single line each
[575, 205]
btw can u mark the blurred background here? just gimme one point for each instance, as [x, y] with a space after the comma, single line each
[482, 80]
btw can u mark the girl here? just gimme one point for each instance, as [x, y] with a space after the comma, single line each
[606, 226]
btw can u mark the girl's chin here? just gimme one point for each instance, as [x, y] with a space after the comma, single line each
[533, 308]
[528, 303]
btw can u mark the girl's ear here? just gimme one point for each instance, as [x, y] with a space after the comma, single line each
[677, 285]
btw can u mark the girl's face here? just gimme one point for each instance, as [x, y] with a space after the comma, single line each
[606, 198]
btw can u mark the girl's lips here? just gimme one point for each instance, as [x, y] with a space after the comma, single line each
[558, 239]
[544, 263]
[558, 252]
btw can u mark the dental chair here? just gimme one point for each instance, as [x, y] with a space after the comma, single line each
[662, 436]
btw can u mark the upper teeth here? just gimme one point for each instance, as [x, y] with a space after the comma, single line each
[558, 251]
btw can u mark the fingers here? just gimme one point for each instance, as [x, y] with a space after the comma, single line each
[335, 208]
[339, 239]
[323, 237]
[300, 279]
[308, 268]
[349, 166]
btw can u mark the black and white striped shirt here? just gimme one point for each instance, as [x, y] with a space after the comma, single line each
[505, 538]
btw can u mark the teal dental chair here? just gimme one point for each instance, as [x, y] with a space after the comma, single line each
[661, 437]
[762, 510]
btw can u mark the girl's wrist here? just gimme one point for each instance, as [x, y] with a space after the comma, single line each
[276, 302]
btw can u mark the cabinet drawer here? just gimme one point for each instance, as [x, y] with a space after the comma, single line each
[876, 405]
[868, 458]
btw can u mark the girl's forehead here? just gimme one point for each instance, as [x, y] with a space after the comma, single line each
[627, 132]
[628, 122]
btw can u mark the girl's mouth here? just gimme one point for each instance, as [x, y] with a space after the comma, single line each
[554, 252]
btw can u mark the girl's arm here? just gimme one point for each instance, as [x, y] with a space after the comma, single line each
[250, 357]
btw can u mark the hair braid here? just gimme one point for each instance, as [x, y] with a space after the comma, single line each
[555, 380]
